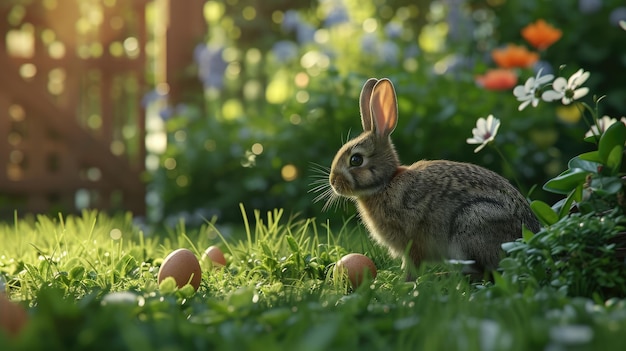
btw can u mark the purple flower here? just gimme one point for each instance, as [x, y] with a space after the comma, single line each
[152, 96]
[285, 51]
[211, 65]
[589, 6]
[389, 52]
[393, 30]
[412, 51]
[166, 113]
[617, 15]
[335, 12]
[169, 111]
[338, 14]
[305, 33]
[369, 43]
[543, 66]
[460, 26]
[291, 20]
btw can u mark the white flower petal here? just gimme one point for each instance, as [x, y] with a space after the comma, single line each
[477, 134]
[480, 147]
[524, 104]
[605, 122]
[543, 80]
[483, 126]
[572, 79]
[582, 79]
[580, 92]
[577, 79]
[520, 92]
[495, 126]
[551, 95]
[559, 84]
[592, 131]
[530, 84]
[535, 102]
[489, 121]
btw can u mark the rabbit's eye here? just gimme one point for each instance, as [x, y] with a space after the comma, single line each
[356, 160]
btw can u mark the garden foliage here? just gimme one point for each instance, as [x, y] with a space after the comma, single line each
[277, 103]
[577, 255]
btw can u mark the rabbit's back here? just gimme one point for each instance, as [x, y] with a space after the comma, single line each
[447, 210]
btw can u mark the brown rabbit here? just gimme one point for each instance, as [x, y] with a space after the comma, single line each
[431, 210]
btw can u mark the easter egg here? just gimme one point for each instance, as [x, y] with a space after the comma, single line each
[214, 256]
[12, 317]
[183, 266]
[356, 267]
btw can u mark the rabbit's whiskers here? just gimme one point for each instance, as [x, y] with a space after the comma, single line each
[321, 185]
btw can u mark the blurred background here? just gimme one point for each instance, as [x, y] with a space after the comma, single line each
[185, 109]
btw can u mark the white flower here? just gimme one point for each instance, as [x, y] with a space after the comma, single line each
[485, 132]
[567, 90]
[528, 93]
[603, 124]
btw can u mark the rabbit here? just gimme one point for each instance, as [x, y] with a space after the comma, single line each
[430, 210]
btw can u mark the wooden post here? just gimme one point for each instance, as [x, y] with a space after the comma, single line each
[186, 29]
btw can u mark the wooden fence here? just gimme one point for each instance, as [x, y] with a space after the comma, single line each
[72, 78]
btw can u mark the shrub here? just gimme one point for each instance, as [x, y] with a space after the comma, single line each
[577, 254]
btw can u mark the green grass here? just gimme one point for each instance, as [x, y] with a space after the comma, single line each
[87, 287]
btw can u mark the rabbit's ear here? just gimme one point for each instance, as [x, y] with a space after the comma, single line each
[384, 108]
[364, 104]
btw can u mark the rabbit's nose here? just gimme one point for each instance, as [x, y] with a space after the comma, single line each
[337, 182]
[333, 180]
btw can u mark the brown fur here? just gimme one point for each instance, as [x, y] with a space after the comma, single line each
[442, 209]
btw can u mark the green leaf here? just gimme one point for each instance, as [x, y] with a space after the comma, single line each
[500, 281]
[293, 245]
[527, 234]
[187, 291]
[276, 316]
[242, 297]
[578, 162]
[606, 185]
[566, 181]
[509, 246]
[614, 136]
[267, 251]
[544, 212]
[168, 286]
[591, 139]
[614, 160]
[593, 156]
[77, 272]
[508, 263]
[574, 195]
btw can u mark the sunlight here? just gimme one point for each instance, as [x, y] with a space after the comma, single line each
[277, 90]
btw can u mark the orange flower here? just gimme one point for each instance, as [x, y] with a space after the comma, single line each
[540, 34]
[514, 56]
[497, 79]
